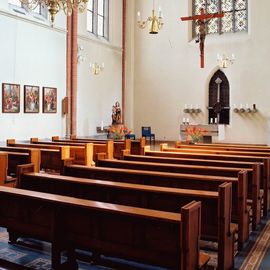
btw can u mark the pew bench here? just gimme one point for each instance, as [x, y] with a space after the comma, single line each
[52, 156]
[240, 209]
[121, 231]
[96, 148]
[118, 146]
[137, 146]
[265, 179]
[253, 179]
[216, 216]
[19, 155]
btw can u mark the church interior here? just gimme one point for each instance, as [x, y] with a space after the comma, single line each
[135, 135]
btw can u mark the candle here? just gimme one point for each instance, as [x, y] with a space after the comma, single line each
[247, 106]
[241, 106]
[211, 120]
[184, 120]
[159, 12]
[101, 125]
[187, 121]
[215, 120]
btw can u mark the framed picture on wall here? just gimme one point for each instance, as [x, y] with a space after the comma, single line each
[10, 98]
[49, 100]
[31, 99]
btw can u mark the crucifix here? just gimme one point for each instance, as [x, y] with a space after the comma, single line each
[202, 20]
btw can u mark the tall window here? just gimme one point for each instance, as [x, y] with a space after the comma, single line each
[39, 9]
[235, 15]
[97, 17]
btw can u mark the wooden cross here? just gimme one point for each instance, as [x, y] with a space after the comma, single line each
[202, 20]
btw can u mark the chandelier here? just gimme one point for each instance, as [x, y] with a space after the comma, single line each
[225, 60]
[155, 21]
[55, 5]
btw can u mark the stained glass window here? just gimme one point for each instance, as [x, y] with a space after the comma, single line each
[234, 20]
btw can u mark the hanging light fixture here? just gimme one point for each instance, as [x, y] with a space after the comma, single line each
[96, 68]
[55, 5]
[155, 20]
[225, 60]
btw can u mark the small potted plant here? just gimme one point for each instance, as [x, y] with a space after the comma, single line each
[194, 134]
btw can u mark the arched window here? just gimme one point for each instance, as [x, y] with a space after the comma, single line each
[219, 99]
[235, 15]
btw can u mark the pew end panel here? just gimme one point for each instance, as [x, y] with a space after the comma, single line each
[82, 155]
[163, 146]
[21, 169]
[10, 142]
[34, 140]
[55, 138]
[226, 234]
[190, 231]
[5, 180]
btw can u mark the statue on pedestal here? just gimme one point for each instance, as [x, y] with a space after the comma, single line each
[116, 114]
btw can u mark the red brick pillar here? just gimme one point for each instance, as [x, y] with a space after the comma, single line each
[124, 61]
[71, 72]
[74, 52]
[68, 75]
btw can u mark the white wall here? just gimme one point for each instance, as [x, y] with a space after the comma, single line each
[98, 93]
[32, 53]
[167, 73]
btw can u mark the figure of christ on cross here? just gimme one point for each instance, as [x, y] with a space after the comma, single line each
[202, 21]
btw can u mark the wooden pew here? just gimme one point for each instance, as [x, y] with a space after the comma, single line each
[227, 146]
[137, 146]
[6, 180]
[253, 179]
[80, 149]
[116, 230]
[51, 158]
[215, 206]
[19, 155]
[118, 146]
[225, 157]
[255, 167]
[176, 180]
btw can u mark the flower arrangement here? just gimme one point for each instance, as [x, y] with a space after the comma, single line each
[194, 134]
[118, 132]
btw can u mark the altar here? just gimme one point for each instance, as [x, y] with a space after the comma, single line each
[210, 131]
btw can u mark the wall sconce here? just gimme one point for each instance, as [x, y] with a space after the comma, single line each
[190, 109]
[247, 109]
[96, 68]
[224, 60]
[80, 57]
[156, 22]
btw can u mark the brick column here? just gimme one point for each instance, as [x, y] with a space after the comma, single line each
[74, 52]
[124, 61]
[71, 72]
[68, 74]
